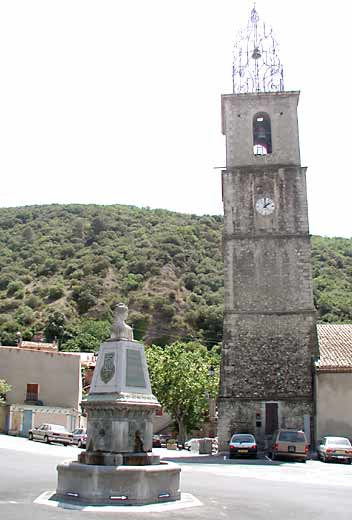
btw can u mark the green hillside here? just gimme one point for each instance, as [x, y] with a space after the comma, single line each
[63, 268]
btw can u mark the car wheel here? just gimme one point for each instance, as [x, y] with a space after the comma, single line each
[46, 439]
[65, 444]
[30, 436]
[79, 444]
[324, 459]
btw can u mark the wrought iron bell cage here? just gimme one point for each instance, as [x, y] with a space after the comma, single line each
[256, 63]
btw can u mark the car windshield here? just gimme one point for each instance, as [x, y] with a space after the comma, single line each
[292, 437]
[242, 438]
[338, 440]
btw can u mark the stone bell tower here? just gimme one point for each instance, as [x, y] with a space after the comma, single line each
[269, 322]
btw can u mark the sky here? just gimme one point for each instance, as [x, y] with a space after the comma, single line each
[118, 101]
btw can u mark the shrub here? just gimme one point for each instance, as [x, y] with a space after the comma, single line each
[5, 279]
[33, 301]
[14, 286]
[55, 292]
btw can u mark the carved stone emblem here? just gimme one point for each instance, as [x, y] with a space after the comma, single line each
[108, 369]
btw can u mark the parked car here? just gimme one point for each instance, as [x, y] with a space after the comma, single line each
[334, 448]
[79, 437]
[51, 433]
[195, 443]
[242, 445]
[163, 439]
[156, 442]
[290, 444]
[191, 442]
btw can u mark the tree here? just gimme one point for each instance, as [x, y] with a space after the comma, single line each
[55, 326]
[4, 388]
[87, 336]
[181, 382]
[83, 342]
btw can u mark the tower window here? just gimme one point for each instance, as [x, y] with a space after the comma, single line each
[261, 134]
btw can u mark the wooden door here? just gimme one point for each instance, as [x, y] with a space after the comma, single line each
[271, 418]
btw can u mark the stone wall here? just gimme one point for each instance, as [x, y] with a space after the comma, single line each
[268, 357]
[241, 416]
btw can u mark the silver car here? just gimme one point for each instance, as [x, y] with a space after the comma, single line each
[51, 433]
[79, 437]
[335, 448]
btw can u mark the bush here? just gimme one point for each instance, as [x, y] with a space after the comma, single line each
[85, 301]
[55, 292]
[101, 265]
[14, 286]
[5, 279]
[25, 315]
[33, 301]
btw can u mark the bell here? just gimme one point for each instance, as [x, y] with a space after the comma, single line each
[256, 54]
[260, 132]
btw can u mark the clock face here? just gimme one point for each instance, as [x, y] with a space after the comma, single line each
[265, 206]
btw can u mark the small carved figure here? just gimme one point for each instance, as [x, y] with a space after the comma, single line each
[138, 442]
[120, 329]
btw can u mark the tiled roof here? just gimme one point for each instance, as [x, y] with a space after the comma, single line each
[335, 344]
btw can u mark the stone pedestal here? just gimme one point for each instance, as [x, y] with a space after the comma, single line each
[117, 485]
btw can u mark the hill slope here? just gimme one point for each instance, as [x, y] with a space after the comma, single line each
[62, 265]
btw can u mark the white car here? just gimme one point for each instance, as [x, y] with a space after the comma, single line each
[51, 433]
[190, 443]
[335, 448]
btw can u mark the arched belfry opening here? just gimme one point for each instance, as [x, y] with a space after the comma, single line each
[261, 134]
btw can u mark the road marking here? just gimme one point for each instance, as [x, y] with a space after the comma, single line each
[187, 500]
[268, 458]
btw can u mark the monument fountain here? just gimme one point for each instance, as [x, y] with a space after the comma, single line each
[118, 466]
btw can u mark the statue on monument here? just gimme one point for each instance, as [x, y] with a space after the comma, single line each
[120, 329]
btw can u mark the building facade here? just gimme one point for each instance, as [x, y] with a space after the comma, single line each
[46, 387]
[333, 381]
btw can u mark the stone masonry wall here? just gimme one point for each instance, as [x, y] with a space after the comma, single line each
[240, 416]
[268, 357]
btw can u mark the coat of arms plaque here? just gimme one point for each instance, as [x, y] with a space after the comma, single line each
[108, 369]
